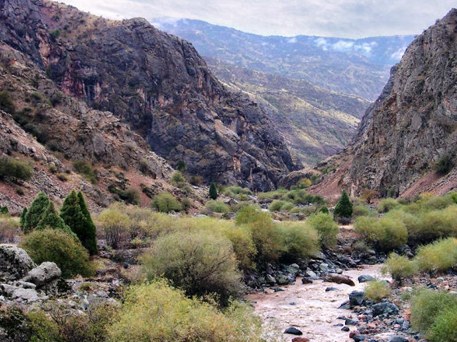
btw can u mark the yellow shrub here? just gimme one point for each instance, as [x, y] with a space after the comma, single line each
[376, 290]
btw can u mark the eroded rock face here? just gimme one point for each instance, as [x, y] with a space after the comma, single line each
[157, 83]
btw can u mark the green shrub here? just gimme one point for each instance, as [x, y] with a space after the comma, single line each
[276, 205]
[59, 247]
[360, 210]
[287, 206]
[86, 169]
[395, 233]
[8, 228]
[157, 312]
[344, 206]
[444, 327]
[213, 191]
[6, 102]
[115, 227]
[272, 195]
[369, 229]
[444, 164]
[299, 241]
[165, 203]
[326, 228]
[264, 233]
[4, 211]
[33, 215]
[178, 179]
[438, 203]
[243, 244]
[438, 256]
[15, 169]
[217, 206]
[387, 204]
[197, 262]
[51, 219]
[400, 267]
[324, 210]
[427, 305]
[376, 290]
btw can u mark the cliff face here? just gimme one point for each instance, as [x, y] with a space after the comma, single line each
[156, 83]
[414, 122]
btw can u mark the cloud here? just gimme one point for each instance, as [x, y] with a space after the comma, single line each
[343, 46]
[292, 40]
[330, 18]
[399, 53]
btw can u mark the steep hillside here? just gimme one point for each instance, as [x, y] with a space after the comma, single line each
[315, 122]
[359, 67]
[155, 83]
[412, 126]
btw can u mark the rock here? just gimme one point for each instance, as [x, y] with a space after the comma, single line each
[345, 329]
[270, 279]
[360, 337]
[44, 274]
[282, 280]
[300, 339]
[349, 321]
[398, 338]
[293, 331]
[365, 278]
[306, 280]
[324, 267]
[28, 295]
[14, 262]
[328, 289]
[277, 289]
[338, 279]
[345, 306]
[387, 309]
[312, 275]
[356, 298]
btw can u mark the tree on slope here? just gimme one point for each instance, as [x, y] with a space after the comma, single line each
[343, 208]
[34, 213]
[212, 191]
[51, 219]
[74, 217]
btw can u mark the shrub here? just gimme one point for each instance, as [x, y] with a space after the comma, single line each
[376, 290]
[395, 233]
[4, 211]
[8, 229]
[6, 102]
[178, 179]
[86, 169]
[217, 206]
[199, 263]
[326, 228]
[433, 225]
[15, 169]
[387, 204]
[438, 203]
[75, 214]
[33, 215]
[51, 219]
[427, 305]
[438, 256]
[165, 203]
[287, 206]
[444, 164]
[299, 241]
[344, 206]
[115, 227]
[399, 267]
[369, 229]
[243, 245]
[276, 205]
[360, 210]
[59, 247]
[444, 327]
[212, 191]
[157, 312]
[264, 233]
[324, 210]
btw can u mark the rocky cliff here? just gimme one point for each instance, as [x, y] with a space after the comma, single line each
[154, 82]
[412, 125]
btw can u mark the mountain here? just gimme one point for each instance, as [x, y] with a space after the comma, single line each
[315, 122]
[155, 84]
[411, 127]
[352, 66]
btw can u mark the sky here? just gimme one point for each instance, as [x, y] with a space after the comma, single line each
[327, 18]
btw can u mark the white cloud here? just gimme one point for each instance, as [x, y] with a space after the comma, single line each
[398, 54]
[292, 40]
[343, 45]
[332, 18]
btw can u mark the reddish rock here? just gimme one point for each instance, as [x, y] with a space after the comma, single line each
[300, 339]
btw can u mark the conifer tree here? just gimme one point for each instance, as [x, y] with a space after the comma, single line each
[344, 206]
[22, 218]
[73, 216]
[91, 230]
[212, 191]
[51, 219]
[34, 213]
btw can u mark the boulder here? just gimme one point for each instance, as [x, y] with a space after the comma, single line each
[339, 279]
[398, 338]
[386, 309]
[43, 275]
[356, 298]
[365, 278]
[14, 262]
[293, 331]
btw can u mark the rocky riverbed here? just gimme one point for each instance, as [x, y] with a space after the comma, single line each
[312, 308]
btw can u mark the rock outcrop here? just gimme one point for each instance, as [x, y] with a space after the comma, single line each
[412, 124]
[155, 82]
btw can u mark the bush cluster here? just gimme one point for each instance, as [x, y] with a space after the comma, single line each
[15, 169]
[377, 290]
[165, 203]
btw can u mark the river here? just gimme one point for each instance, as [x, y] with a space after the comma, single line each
[310, 308]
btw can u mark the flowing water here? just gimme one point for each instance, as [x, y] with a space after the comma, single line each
[309, 308]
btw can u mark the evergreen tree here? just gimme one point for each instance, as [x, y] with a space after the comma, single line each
[212, 191]
[4, 210]
[51, 219]
[22, 218]
[344, 206]
[91, 230]
[34, 213]
[73, 216]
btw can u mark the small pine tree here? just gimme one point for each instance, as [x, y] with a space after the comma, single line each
[344, 206]
[22, 218]
[4, 210]
[73, 216]
[51, 219]
[91, 230]
[212, 191]
[34, 213]
[324, 210]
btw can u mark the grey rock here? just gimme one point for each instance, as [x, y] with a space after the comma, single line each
[14, 262]
[350, 322]
[345, 329]
[282, 280]
[365, 278]
[360, 337]
[356, 298]
[386, 309]
[328, 289]
[270, 279]
[28, 295]
[398, 338]
[293, 331]
[44, 274]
